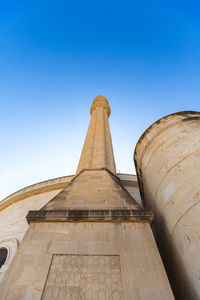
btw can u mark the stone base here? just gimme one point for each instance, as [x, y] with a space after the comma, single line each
[124, 248]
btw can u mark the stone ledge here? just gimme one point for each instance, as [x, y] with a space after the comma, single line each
[110, 215]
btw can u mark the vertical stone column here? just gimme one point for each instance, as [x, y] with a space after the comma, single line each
[97, 150]
[167, 158]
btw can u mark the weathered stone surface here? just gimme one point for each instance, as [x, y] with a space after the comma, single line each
[93, 189]
[14, 208]
[88, 277]
[93, 219]
[97, 150]
[90, 215]
[167, 160]
[140, 263]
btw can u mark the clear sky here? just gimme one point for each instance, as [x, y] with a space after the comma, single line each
[57, 56]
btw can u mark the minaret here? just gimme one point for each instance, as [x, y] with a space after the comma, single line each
[96, 184]
[92, 240]
[97, 150]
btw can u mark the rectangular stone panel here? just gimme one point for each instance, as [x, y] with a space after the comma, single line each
[84, 277]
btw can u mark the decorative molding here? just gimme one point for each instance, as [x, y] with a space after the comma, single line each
[84, 277]
[115, 215]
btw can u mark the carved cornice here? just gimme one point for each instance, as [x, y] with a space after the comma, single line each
[110, 215]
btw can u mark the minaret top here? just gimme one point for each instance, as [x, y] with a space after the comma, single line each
[100, 101]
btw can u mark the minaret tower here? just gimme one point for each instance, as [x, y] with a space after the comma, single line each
[95, 185]
[92, 241]
[97, 150]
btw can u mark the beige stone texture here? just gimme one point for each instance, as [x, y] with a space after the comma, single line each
[131, 185]
[167, 160]
[98, 277]
[142, 271]
[92, 190]
[126, 250]
[97, 150]
[14, 208]
[13, 222]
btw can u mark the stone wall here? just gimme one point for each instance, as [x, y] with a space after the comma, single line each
[14, 209]
[167, 159]
[125, 251]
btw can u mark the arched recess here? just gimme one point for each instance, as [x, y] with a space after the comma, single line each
[3, 256]
[8, 249]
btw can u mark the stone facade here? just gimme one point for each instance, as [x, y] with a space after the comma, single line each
[14, 209]
[91, 239]
[143, 275]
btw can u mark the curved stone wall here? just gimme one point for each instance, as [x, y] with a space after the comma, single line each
[167, 159]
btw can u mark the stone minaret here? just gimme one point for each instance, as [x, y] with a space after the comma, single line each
[95, 185]
[92, 241]
[97, 150]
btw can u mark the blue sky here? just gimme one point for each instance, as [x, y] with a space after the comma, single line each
[57, 56]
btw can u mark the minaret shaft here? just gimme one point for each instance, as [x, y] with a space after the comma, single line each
[97, 150]
[95, 185]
